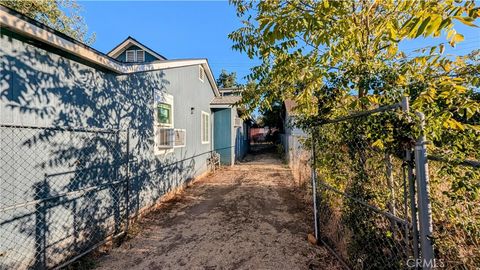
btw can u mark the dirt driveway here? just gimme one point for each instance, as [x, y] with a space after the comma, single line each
[244, 217]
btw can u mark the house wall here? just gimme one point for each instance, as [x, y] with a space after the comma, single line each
[123, 56]
[242, 143]
[42, 87]
[296, 155]
[223, 135]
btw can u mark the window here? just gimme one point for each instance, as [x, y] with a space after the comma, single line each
[180, 136]
[205, 128]
[140, 56]
[164, 114]
[130, 56]
[168, 138]
[201, 73]
[164, 138]
[135, 55]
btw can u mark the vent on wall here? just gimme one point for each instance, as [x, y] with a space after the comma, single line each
[238, 122]
[135, 56]
[140, 56]
[130, 56]
[201, 73]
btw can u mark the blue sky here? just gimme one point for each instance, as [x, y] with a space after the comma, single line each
[199, 29]
[173, 29]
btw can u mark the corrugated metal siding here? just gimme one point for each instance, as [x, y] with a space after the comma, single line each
[41, 88]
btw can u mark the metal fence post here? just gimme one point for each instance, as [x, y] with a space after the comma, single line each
[314, 188]
[127, 183]
[413, 205]
[411, 185]
[423, 193]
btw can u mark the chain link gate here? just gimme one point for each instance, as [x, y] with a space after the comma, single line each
[365, 204]
[64, 191]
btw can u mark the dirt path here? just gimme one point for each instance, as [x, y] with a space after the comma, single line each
[243, 217]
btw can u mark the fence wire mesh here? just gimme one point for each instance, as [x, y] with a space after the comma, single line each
[62, 191]
[363, 196]
[455, 203]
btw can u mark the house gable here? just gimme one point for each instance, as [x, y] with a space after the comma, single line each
[122, 57]
[119, 52]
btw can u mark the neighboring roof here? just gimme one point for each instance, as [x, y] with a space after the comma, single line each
[231, 89]
[115, 52]
[225, 100]
[28, 27]
[290, 105]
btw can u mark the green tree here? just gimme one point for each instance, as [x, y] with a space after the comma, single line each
[61, 15]
[335, 57]
[320, 52]
[272, 117]
[227, 80]
[353, 45]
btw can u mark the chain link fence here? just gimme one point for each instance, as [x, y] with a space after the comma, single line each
[63, 192]
[378, 207]
[454, 186]
[363, 196]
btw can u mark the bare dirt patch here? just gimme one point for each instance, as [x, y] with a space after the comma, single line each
[248, 216]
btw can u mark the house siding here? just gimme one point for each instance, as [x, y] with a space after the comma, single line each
[41, 88]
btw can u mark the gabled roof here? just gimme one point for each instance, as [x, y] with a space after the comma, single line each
[23, 25]
[115, 52]
[225, 100]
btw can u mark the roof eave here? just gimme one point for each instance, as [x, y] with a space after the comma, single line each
[28, 27]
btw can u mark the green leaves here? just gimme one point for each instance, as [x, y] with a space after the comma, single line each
[63, 16]
[321, 52]
[422, 27]
[466, 20]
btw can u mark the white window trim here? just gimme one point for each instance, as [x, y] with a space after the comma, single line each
[202, 128]
[167, 99]
[164, 98]
[184, 142]
[201, 73]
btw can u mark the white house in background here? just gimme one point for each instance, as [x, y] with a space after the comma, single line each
[289, 119]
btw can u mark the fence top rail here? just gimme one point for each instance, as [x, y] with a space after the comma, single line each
[466, 162]
[75, 129]
[362, 113]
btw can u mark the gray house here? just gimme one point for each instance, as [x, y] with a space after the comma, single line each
[231, 126]
[88, 141]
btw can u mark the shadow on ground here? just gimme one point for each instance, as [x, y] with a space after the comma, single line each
[243, 217]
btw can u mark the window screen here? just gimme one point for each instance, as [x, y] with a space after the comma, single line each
[180, 137]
